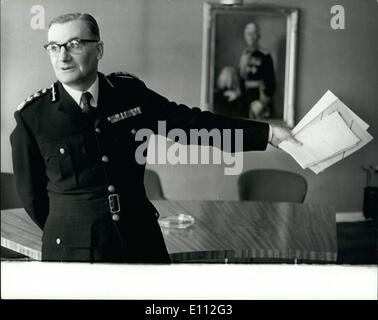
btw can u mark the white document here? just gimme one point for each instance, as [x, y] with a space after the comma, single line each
[326, 106]
[364, 137]
[320, 141]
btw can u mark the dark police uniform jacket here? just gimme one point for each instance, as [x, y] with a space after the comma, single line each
[90, 207]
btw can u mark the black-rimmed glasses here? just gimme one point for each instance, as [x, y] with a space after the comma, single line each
[74, 46]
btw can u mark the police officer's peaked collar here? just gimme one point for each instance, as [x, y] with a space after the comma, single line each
[68, 105]
[63, 100]
[77, 94]
[106, 89]
[107, 80]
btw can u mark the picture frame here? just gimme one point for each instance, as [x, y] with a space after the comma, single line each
[249, 61]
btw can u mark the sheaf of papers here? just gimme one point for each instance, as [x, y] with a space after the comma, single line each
[321, 141]
[329, 132]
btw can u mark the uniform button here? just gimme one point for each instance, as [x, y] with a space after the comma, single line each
[111, 188]
[115, 217]
[58, 241]
[133, 131]
[62, 150]
[97, 130]
[104, 159]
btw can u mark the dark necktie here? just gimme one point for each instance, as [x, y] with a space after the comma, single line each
[85, 99]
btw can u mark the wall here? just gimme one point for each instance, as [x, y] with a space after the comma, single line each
[161, 41]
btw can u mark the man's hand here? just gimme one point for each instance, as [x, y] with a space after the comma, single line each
[280, 134]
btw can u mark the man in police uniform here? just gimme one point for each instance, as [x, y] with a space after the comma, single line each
[73, 152]
[257, 76]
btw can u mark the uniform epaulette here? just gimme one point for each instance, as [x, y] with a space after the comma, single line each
[32, 98]
[121, 74]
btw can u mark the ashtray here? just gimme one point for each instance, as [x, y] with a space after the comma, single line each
[180, 221]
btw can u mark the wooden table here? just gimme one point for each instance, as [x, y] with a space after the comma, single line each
[20, 234]
[233, 231]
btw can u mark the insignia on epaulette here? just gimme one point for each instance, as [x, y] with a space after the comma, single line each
[124, 75]
[31, 98]
[53, 93]
[107, 79]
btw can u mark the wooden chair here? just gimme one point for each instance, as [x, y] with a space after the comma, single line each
[272, 185]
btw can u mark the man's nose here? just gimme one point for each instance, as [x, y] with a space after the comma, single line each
[64, 54]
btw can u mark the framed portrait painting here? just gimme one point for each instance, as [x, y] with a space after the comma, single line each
[249, 57]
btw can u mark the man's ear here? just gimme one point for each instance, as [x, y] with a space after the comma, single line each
[100, 50]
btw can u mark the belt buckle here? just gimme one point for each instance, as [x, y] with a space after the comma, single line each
[114, 203]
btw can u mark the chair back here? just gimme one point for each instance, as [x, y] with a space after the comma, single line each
[153, 186]
[272, 185]
[9, 196]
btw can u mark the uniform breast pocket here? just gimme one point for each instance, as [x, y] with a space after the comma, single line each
[128, 134]
[128, 125]
[61, 159]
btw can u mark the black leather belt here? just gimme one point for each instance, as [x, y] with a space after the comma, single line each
[85, 207]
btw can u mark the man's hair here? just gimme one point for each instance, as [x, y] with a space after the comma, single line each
[86, 17]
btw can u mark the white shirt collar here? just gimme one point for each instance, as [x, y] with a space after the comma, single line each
[76, 94]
